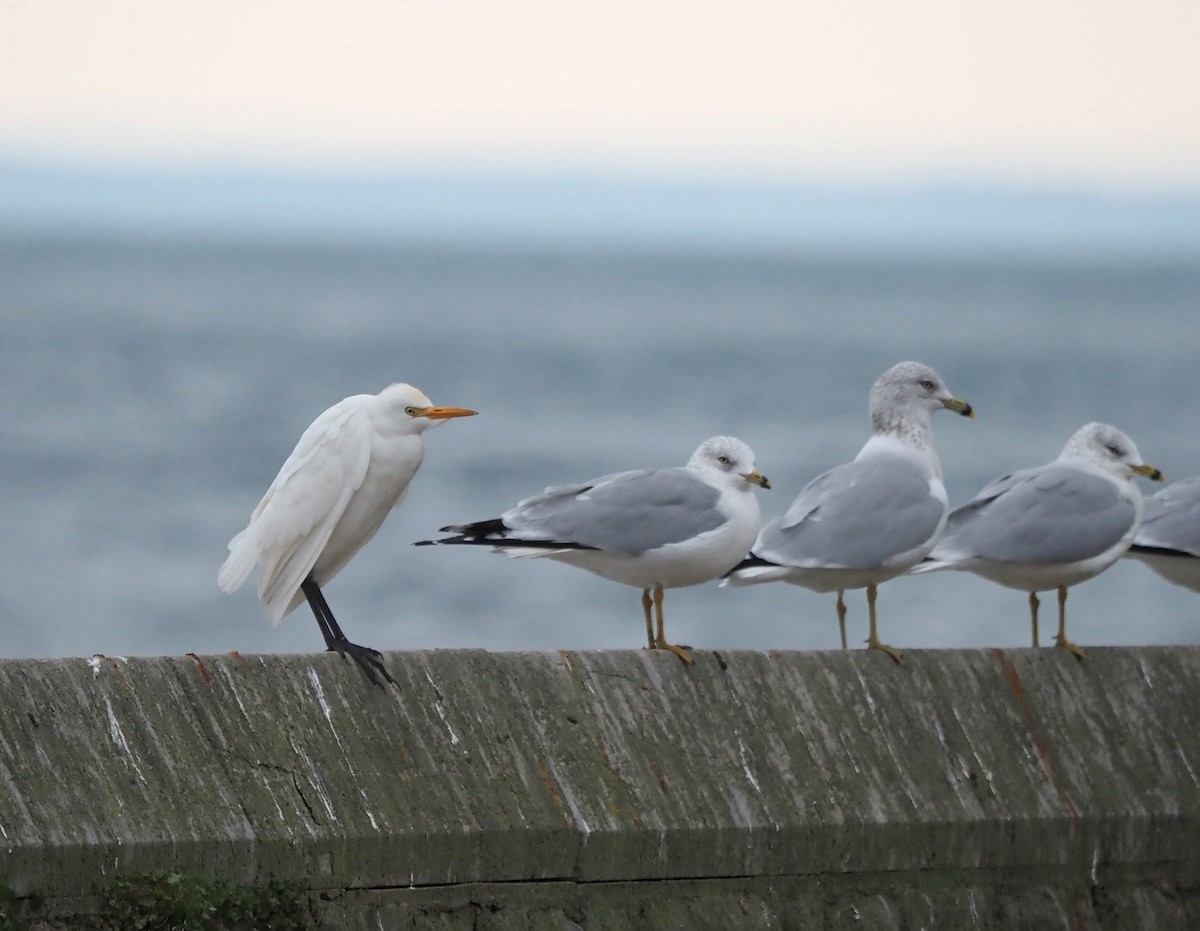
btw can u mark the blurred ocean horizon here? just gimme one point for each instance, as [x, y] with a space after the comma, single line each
[165, 348]
[942, 213]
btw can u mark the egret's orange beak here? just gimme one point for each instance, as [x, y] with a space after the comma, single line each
[444, 413]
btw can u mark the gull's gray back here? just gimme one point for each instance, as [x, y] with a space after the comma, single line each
[856, 516]
[628, 513]
[1171, 519]
[1054, 513]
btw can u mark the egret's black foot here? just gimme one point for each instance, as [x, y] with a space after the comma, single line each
[369, 661]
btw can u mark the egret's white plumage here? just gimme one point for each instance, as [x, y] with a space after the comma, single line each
[351, 467]
[1168, 540]
[869, 520]
[652, 529]
[1051, 526]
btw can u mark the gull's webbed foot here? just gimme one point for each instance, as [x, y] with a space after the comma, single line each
[660, 638]
[683, 652]
[1062, 641]
[874, 643]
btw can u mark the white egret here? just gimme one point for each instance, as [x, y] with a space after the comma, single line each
[350, 468]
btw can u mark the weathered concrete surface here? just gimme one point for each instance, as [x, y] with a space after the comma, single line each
[610, 790]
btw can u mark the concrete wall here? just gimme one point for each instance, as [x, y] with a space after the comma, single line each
[622, 790]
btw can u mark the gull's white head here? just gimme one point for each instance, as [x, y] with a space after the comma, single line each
[904, 397]
[729, 456]
[1111, 449]
[412, 412]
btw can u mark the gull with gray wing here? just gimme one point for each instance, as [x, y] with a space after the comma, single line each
[653, 528]
[1051, 526]
[1168, 540]
[871, 519]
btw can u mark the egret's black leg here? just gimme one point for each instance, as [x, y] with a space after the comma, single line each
[320, 609]
[370, 661]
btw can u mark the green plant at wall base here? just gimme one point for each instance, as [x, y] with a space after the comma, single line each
[17, 913]
[173, 902]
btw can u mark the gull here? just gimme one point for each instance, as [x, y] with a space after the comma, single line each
[871, 519]
[1051, 526]
[351, 467]
[653, 528]
[1168, 540]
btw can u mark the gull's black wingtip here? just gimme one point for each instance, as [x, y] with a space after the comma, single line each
[1159, 551]
[449, 528]
[446, 541]
[749, 562]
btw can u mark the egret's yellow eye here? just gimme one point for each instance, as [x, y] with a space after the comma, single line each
[411, 411]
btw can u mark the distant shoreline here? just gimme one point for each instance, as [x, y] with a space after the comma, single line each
[575, 210]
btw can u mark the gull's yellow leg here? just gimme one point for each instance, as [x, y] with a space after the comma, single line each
[1061, 640]
[841, 611]
[873, 641]
[660, 642]
[1033, 606]
[649, 623]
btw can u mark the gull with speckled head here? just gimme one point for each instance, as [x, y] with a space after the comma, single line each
[1168, 540]
[351, 467]
[1051, 526]
[653, 528]
[872, 519]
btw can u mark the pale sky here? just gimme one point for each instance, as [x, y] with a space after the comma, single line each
[1097, 92]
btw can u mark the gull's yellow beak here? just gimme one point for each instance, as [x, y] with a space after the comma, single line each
[959, 407]
[757, 478]
[443, 413]
[1149, 472]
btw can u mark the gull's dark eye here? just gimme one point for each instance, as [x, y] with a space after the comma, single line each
[724, 460]
[927, 384]
[1114, 449]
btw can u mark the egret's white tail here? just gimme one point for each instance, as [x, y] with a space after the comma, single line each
[238, 565]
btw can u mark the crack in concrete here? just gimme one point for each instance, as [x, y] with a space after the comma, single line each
[285, 770]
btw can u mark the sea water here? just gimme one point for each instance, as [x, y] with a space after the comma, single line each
[152, 389]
